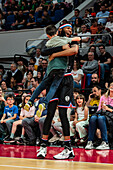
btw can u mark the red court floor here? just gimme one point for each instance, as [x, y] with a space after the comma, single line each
[81, 155]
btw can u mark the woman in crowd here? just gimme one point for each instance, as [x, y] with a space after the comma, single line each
[77, 26]
[77, 74]
[99, 120]
[3, 103]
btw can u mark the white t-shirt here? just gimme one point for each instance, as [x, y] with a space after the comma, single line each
[34, 74]
[75, 74]
[37, 59]
[109, 25]
[84, 45]
[29, 113]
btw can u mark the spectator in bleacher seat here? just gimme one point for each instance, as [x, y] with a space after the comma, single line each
[104, 60]
[94, 27]
[30, 67]
[31, 22]
[32, 61]
[3, 103]
[13, 84]
[87, 13]
[43, 66]
[23, 115]
[34, 5]
[77, 25]
[81, 119]
[14, 72]
[10, 6]
[101, 39]
[27, 80]
[33, 123]
[102, 15]
[34, 83]
[39, 66]
[20, 22]
[39, 76]
[85, 39]
[93, 103]
[94, 96]
[97, 6]
[1, 78]
[3, 72]
[109, 25]
[90, 66]
[109, 79]
[77, 13]
[18, 95]
[24, 7]
[84, 58]
[21, 64]
[9, 116]
[110, 7]
[38, 56]
[77, 74]
[2, 22]
[95, 81]
[10, 18]
[101, 120]
[6, 89]
[87, 18]
[45, 19]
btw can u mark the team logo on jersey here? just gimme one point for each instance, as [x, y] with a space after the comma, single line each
[67, 98]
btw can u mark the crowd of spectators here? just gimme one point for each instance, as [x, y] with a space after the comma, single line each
[22, 14]
[18, 83]
[94, 21]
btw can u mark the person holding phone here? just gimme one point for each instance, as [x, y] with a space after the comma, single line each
[94, 96]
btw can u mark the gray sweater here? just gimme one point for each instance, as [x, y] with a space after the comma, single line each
[90, 67]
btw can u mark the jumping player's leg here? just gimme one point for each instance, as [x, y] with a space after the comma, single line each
[53, 80]
[65, 91]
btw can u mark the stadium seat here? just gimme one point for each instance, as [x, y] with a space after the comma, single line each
[59, 14]
[9, 21]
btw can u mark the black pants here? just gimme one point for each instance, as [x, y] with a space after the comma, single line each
[62, 98]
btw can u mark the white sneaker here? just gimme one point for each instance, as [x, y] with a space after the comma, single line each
[89, 145]
[65, 154]
[103, 146]
[54, 138]
[42, 152]
[61, 139]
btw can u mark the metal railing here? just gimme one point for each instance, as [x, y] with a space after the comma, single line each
[26, 44]
[90, 35]
[93, 35]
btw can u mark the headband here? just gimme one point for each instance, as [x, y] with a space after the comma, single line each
[65, 25]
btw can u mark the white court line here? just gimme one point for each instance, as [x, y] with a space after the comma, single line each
[27, 167]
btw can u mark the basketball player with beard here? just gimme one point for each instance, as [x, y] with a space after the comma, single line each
[62, 97]
[56, 68]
